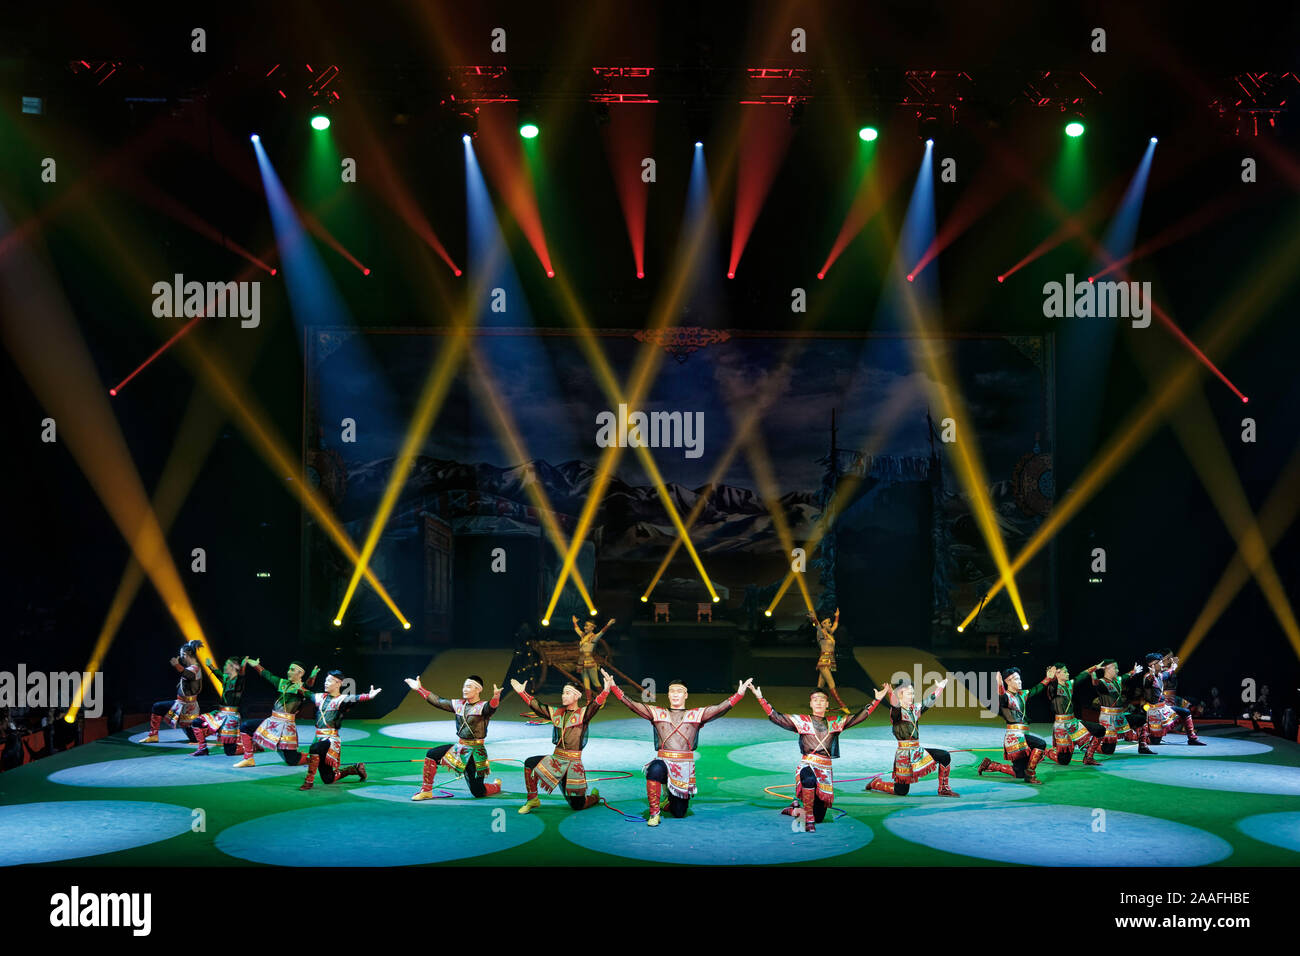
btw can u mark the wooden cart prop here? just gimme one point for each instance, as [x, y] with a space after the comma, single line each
[564, 657]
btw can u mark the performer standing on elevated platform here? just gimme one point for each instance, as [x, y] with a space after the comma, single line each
[563, 767]
[819, 744]
[226, 721]
[587, 638]
[911, 760]
[330, 708]
[279, 732]
[1022, 748]
[676, 732]
[1067, 729]
[826, 658]
[468, 755]
[184, 708]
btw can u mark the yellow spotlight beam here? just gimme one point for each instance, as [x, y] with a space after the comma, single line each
[1277, 515]
[41, 334]
[436, 386]
[1232, 320]
[761, 465]
[1199, 434]
[484, 383]
[883, 426]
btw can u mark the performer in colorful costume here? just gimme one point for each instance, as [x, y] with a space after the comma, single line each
[911, 760]
[563, 766]
[326, 749]
[676, 732]
[1111, 688]
[184, 708]
[587, 638]
[1162, 716]
[279, 732]
[819, 744]
[468, 755]
[1019, 746]
[225, 722]
[1067, 729]
[826, 657]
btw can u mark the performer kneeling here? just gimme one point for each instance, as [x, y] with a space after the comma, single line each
[1162, 716]
[819, 744]
[570, 724]
[1022, 748]
[1111, 687]
[184, 708]
[676, 732]
[330, 708]
[467, 755]
[911, 760]
[279, 732]
[1067, 729]
[225, 722]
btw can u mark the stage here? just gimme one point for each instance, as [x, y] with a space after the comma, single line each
[120, 803]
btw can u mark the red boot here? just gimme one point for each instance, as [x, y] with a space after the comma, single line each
[312, 764]
[944, 789]
[1034, 757]
[492, 789]
[426, 785]
[1088, 760]
[352, 769]
[155, 721]
[1192, 739]
[809, 817]
[653, 790]
[878, 782]
[991, 765]
[200, 732]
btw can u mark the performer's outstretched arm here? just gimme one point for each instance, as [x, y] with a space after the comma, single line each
[868, 710]
[638, 708]
[928, 701]
[434, 700]
[714, 711]
[535, 705]
[598, 702]
[774, 715]
[491, 706]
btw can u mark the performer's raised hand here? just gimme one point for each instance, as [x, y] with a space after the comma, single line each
[758, 692]
[605, 674]
[1051, 673]
[882, 693]
[375, 691]
[744, 685]
[519, 688]
[314, 671]
[496, 691]
[175, 661]
[413, 683]
[256, 662]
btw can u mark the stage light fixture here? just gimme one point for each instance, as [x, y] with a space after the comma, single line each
[1154, 140]
[640, 275]
[644, 599]
[910, 277]
[1074, 129]
[546, 622]
[593, 612]
[929, 143]
[255, 138]
[550, 274]
[458, 272]
[767, 613]
[337, 622]
[464, 138]
[698, 144]
[320, 121]
[1024, 627]
[731, 275]
[406, 625]
[716, 599]
[821, 275]
[528, 130]
[868, 134]
[1002, 278]
[960, 628]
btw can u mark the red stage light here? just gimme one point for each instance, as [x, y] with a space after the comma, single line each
[909, 277]
[640, 275]
[272, 272]
[457, 272]
[365, 272]
[112, 391]
[821, 275]
[1090, 278]
[1000, 278]
[550, 274]
[731, 275]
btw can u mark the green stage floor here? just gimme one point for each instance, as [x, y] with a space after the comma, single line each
[1235, 802]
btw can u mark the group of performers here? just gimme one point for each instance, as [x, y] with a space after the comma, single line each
[277, 733]
[1139, 706]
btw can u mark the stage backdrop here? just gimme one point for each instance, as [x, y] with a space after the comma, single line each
[843, 424]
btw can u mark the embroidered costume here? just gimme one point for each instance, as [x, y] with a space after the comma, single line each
[563, 765]
[184, 708]
[468, 755]
[911, 760]
[225, 722]
[279, 732]
[1067, 729]
[329, 718]
[1019, 746]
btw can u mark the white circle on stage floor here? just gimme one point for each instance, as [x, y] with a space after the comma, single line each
[1176, 745]
[1276, 829]
[715, 834]
[376, 833]
[1226, 775]
[922, 794]
[69, 830]
[170, 737]
[170, 770]
[862, 757]
[444, 731]
[1055, 835]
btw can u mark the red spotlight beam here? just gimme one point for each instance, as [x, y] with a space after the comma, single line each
[869, 200]
[974, 203]
[629, 137]
[764, 140]
[157, 352]
[314, 224]
[503, 160]
[1185, 227]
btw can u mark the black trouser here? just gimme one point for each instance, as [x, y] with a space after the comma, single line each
[808, 781]
[472, 777]
[1021, 764]
[161, 709]
[658, 772]
[576, 801]
[941, 757]
[250, 727]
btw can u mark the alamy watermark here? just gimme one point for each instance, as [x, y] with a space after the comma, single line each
[981, 685]
[57, 689]
[1098, 300]
[181, 299]
[651, 430]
